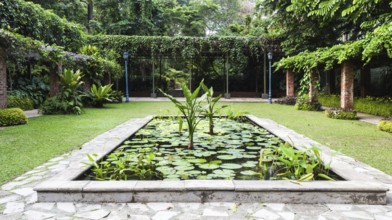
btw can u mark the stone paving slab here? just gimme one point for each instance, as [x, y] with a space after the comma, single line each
[25, 206]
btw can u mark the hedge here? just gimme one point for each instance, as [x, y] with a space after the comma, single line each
[22, 103]
[385, 126]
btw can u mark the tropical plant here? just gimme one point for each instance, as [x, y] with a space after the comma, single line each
[100, 94]
[286, 162]
[71, 83]
[210, 110]
[191, 109]
[70, 98]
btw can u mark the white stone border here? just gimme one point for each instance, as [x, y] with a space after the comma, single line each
[360, 187]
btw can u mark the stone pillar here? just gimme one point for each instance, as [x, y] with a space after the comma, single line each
[313, 91]
[290, 83]
[3, 79]
[347, 86]
[54, 79]
[365, 81]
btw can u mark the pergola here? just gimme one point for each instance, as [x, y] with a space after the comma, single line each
[153, 47]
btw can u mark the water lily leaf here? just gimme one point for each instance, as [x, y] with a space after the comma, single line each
[249, 164]
[203, 177]
[197, 160]
[231, 166]
[184, 167]
[249, 156]
[249, 173]
[208, 166]
[226, 157]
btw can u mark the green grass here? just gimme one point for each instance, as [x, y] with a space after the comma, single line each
[24, 147]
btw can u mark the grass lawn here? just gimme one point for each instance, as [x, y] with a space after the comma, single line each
[24, 147]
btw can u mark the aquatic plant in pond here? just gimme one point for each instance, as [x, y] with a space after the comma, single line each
[210, 110]
[191, 109]
[233, 152]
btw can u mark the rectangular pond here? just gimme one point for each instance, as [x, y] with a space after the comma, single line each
[159, 151]
[221, 167]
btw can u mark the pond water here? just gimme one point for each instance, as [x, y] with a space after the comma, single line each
[160, 151]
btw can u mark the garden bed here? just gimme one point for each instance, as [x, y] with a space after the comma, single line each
[358, 188]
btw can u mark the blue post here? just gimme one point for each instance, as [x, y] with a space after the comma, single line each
[269, 83]
[126, 76]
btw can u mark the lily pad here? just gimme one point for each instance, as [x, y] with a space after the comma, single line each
[208, 166]
[197, 160]
[249, 164]
[249, 173]
[226, 157]
[231, 166]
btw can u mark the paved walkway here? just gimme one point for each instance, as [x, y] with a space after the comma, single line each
[32, 113]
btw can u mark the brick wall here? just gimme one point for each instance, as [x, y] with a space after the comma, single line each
[347, 86]
[290, 83]
[3, 79]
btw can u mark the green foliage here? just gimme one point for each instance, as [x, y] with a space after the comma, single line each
[69, 101]
[22, 103]
[374, 106]
[191, 109]
[385, 125]
[329, 100]
[121, 166]
[54, 106]
[12, 116]
[210, 110]
[304, 104]
[31, 20]
[101, 94]
[186, 47]
[286, 162]
[34, 89]
[116, 96]
[341, 114]
[370, 105]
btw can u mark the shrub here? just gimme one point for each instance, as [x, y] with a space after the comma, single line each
[341, 114]
[374, 106]
[54, 106]
[100, 95]
[22, 103]
[288, 100]
[12, 116]
[303, 103]
[116, 96]
[329, 100]
[385, 125]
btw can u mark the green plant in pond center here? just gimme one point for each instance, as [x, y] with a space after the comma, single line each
[210, 110]
[191, 109]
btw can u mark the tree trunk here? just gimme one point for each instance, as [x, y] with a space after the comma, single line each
[90, 13]
[347, 86]
[3, 79]
[313, 91]
[54, 79]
